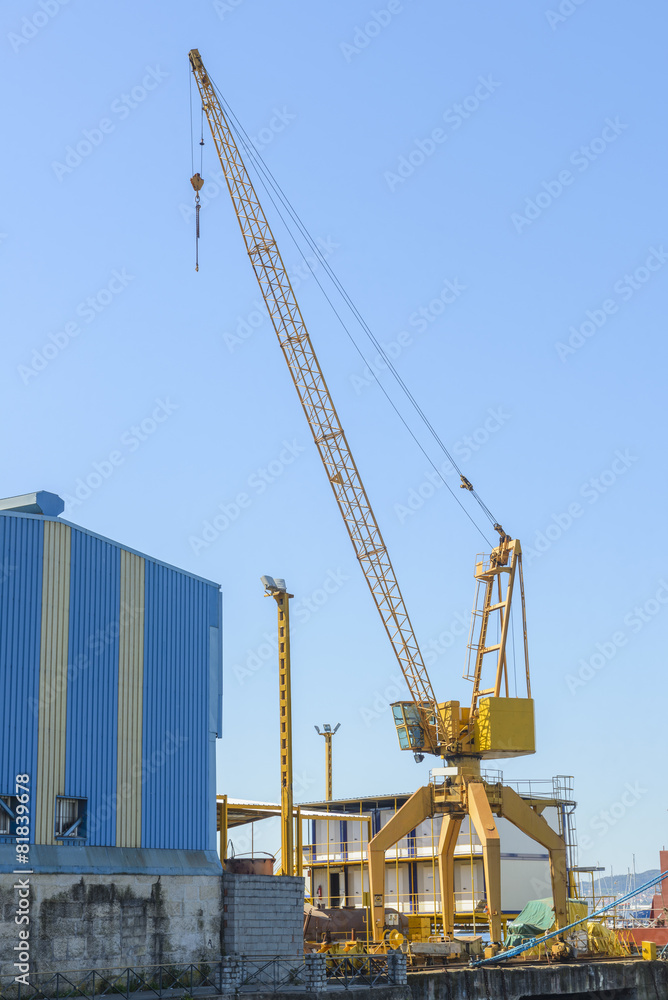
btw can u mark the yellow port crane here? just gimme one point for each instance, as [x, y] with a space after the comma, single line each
[495, 725]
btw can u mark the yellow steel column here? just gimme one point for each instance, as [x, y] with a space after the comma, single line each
[285, 715]
[483, 821]
[328, 749]
[223, 830]
[414, 810]
[278, 590]
[447, 842]
[300, 844]
[526, 819]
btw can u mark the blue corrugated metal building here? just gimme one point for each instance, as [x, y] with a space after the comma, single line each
[110, 683]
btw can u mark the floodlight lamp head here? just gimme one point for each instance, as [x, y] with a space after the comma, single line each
[418, 757]
[274, 586]
[327, 728]
[317, 729]
[336, 727]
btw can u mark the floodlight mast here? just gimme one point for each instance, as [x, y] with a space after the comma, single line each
[277, 589]
[328, 733]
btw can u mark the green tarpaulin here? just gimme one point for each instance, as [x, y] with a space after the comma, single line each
[537, 918]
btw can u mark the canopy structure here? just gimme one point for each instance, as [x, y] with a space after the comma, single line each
[232, 812]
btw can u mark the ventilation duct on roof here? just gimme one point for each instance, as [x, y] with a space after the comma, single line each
[41, 502]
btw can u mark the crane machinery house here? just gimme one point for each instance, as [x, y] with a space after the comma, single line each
[110, 672]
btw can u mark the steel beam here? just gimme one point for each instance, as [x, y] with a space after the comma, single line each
[419, 807]
[521, 815]
[481, 815]
[446, 868]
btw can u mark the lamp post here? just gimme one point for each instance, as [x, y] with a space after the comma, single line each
[277, 589]
[328, 732]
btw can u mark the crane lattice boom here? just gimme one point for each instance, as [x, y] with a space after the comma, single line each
[315, 398]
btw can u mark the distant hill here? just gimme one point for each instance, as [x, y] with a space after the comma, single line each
[618, 885]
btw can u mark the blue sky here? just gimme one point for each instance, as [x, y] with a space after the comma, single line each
[517, 153]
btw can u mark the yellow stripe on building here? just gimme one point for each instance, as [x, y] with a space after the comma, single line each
[52, 678]
[130, 701]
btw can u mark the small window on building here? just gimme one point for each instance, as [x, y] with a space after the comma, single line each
[70, 817]
[7, 815]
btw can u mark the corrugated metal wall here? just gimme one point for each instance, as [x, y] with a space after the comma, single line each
[21, 545]
[121, 654]
[176, 681]
[50, 778]
[130, 701]
[92, 683]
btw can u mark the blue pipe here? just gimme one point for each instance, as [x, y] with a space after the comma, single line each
[534, 942]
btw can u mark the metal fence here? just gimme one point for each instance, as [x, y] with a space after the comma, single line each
[152, 981]
[232, 975]
[348, 971]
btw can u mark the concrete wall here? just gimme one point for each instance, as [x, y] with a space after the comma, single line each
[107, 921]
[263, 915]
[610, 980]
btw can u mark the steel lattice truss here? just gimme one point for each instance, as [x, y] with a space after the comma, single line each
[318, 406]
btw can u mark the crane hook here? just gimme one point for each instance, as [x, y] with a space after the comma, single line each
[197, 183]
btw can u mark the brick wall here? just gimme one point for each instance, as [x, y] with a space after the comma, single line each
[263, 915]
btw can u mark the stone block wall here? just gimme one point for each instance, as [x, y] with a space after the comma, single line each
[109, 921]
[263, 915]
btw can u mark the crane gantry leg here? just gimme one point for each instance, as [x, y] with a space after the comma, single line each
[481, 816]
[526, 819]
[466, 795]
[446, 868]
[419, 807]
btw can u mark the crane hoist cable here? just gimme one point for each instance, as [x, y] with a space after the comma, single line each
[196, 179]
[269, 183]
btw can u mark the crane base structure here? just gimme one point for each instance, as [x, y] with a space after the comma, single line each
[465, 793]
